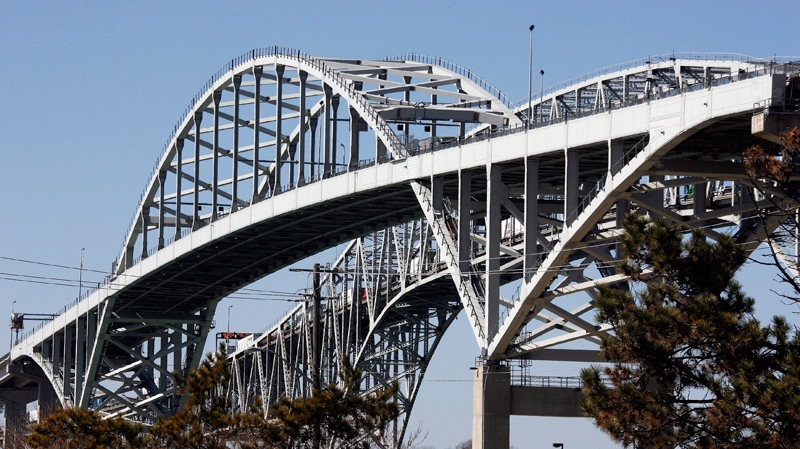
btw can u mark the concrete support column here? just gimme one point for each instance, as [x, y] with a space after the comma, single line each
[313, 157]
[47, 347]
[656, 196]
[292, 157]
[57, 351]
[335, 131]
[162, 179]
[91, 332]
[47, 398]
[151, 350]
[464, 221]
[16, 422]
[257, 72]
[494, 199]
[570, 186]
[177, 360]
[353, 164]
[80, 354]
[215, 158]
[145, 224]
[68, 361]
[301, 138]
[491, 407]
[237, 83]
[616, 151]
[530, 262]
[437, 192]
[279, 70]
[380, 150]
[198, 119]
[162, 375]
[178, 179]
[326, 159]
[699, 198]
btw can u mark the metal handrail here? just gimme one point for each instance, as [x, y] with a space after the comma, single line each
[453, 67]
[641, 62]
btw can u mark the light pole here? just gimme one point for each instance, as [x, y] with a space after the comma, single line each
[558, 445]
[80, 276]
[541, 94]
[530, 75]
[229, 320]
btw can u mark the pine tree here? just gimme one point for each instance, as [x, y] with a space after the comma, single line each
[74, 428]
[341, 417]
[693, 367]
[334, 417]
[205, 421]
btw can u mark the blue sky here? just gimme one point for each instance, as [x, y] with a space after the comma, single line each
[92, 89]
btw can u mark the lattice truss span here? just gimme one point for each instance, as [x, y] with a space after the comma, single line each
[456, 201]
[386, 303]
[281, 119]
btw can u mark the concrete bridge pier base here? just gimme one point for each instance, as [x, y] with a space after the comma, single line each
[16, 416]
[491, 407]
[495, 400]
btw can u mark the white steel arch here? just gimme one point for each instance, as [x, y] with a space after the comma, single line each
[518, 202]
[375, 100]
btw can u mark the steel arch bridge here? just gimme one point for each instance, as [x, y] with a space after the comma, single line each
[449, 189]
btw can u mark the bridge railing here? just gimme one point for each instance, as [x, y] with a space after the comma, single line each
[453, 67]
[700, 57]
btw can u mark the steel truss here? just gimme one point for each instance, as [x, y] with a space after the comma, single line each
[387, 305]
[528, 210]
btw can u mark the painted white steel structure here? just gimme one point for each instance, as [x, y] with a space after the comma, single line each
[251, 182]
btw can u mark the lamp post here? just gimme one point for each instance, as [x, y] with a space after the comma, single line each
[229, 319]
[558, 445]
[80, 276]
[530, 75]
[228, 334]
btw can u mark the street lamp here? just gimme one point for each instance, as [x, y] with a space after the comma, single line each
[80, 276]
[229, 320]
[558, 445]
[530, 75]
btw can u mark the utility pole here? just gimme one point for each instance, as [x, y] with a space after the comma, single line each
[317, 336]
